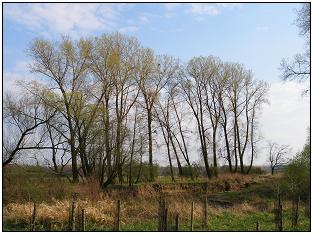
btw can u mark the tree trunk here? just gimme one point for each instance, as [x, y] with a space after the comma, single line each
[150, 146]
[107, 141]
[176, 154]
[132, 148]
[170, 162]
[252, 141]
[235, 146]
[227, 140]
[214, 151]
[74, 165]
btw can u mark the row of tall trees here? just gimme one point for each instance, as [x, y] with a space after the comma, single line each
[103, 103]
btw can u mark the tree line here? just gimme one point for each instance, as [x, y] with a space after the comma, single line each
[103, 104]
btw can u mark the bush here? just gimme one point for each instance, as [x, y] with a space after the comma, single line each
[198, 170]
[255, 170]
[297, 173]
[144, 176]
[186, 171]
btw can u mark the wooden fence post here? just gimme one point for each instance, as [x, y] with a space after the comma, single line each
[83, 220]
[49, 227]
[118, 211]
[161, 214]
[295, 211]
[177, 222]
[205, 221]
[278, 214]
[192, 217]
[257, 226]
[165, 220]
[33, 218]
[308, 206]
[72, 216]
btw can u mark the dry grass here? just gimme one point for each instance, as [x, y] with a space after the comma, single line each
[133, 210]
[139, 204]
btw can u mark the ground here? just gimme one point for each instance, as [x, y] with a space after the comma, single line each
[235, 203]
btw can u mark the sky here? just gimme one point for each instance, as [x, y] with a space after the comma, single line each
[257, 35]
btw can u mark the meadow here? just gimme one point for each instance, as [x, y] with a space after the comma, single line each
[236, 202]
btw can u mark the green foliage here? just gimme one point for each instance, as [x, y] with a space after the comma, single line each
[187, 171]
[144, 177]
[297, 174]
[198, 170]
[255, 170]
[166, 171]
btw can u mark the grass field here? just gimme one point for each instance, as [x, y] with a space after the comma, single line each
[250, 200]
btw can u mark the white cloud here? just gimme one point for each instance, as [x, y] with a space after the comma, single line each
[211, 9]
[262, 28]
[144, 19]
[19, 73]
[128, 29]
[287, 117]
[203, 9]
[65, 18]
[9, 81]
[171, 6]
[229, 5]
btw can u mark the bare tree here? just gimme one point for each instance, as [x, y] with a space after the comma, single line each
[299, 67]
[277, 155]
[102, 99]
[193, 88]
[65, 64]
[226, 113]
[260, 91]
[213, 89]
[182, 140]
[114, 63]
[59, 146]
[23, 116]
[154, 73]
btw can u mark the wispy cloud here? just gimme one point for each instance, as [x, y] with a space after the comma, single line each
[286, 118]
[20, 72]
[230, 5]
[128, 29]
[262, 28]
[171, 6]
[65, 18]
[144, 19]
[203, 9]
[211, 9]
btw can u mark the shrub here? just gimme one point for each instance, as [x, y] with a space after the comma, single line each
[297, 179]
[255, 170]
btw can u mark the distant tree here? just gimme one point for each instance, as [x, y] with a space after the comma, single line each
[299, 68]
[277, 155]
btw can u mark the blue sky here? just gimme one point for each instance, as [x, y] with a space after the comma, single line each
[256, 35]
